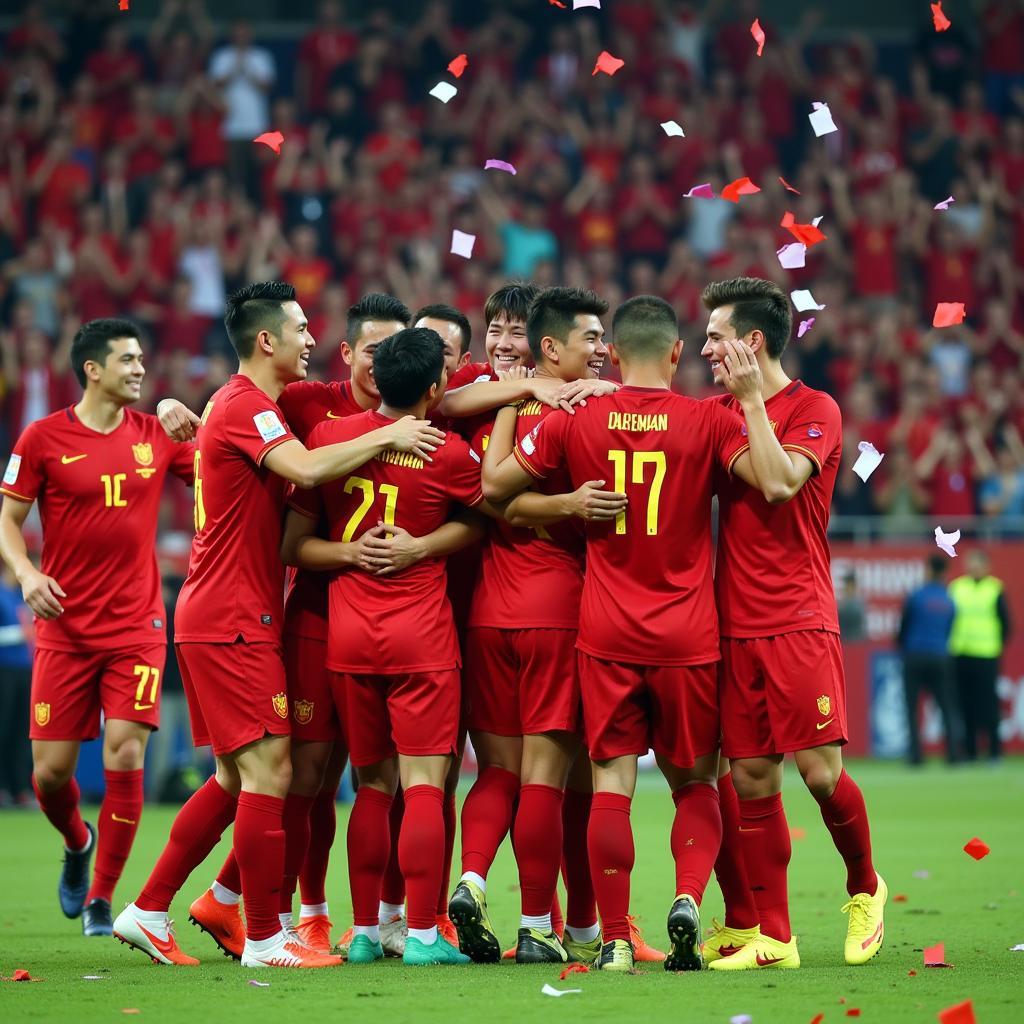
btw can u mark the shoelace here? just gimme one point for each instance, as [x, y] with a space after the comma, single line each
[716, 926]
[857, 907]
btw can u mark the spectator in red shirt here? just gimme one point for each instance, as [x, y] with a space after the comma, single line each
[327, 46]
[308, 271]
[116, 69]
[59, 182]
[145, 136]
[1002, 24]
[947, 470]
[179, 328]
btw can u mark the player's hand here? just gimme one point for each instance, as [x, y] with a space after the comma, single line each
[412, 435]
[742, 373]
[179, 422]
[548, 390]
[515, 373]
[579, 391]
[591, 502]
[42, 594]
[385, 550]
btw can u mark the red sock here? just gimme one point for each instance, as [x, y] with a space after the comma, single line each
[537, 836]
[557, 917]
[610, 844]
[229, 876]
[323, 826]
[392, 889]
[295, 821]
[581, 905]
[119, 821]
[196, 831]
[764, 835]
[730, 869]
[450, 823]
[259, 850]
[61, 808]
[696, 837]
[846, 817]
[421, 851]
[486, 817]
[369, 845]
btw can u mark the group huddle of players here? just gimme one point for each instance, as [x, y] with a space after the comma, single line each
[519, 550]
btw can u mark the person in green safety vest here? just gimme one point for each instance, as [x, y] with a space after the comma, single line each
[981, 630]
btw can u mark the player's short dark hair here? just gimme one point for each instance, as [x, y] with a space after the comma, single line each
[937, 566]
[375, 306]
[406, 364]
[451, 315]
[511, 300]
[553, 314]
[256, 307]
[757, 304]
[644, 327]
[91, 343]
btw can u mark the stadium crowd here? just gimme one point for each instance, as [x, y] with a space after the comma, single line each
[130, 184]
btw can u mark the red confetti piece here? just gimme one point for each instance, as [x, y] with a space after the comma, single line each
[573, 969]
[842, 999]
[853, 1012]
[817, 1018]
[798, 833]
[806, 233]
[607, 63]
[272, 140]
[975, 848]
[946, 315]
[758, 33]
[122, 5]
[958, 1013]
[557, 3]
[737, 188]
[788, 187]
[900, 897]
[912, 973]
[939, 19]
[935, 956]
[459, 65]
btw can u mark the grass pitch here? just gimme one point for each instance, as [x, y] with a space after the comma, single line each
[921, 821]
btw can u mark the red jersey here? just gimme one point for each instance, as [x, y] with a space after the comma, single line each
[475, 429]
[773, 573]
[648, 597]
[99, 500]
[235, 582]
[391, 625]
[532, 578]
[306, 404]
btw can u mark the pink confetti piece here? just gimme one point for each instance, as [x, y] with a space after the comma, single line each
[805, 326]
[272, 140]
[935, 956]
[607, 63]
[499, 165]
[259, 984]
[948, 314]
[944, 205]
[704, 191]
[789, 188]
[939, 19]
[758, 33]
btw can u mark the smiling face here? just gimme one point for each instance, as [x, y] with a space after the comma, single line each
[581, 356]
[506, 344]
[293, 344]
[119, 376]
[719, 331]
[358, 354]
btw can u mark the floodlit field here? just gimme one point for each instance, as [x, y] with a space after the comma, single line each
[921, 821]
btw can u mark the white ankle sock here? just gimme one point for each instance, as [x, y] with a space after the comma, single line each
[587, 934]
[541, 923]
[386, 911]
[153, 916]
[224, 895]
[428, 936]
[263, 945]
[371, 931]
[286, 921]
[477, 880]
[312, 910]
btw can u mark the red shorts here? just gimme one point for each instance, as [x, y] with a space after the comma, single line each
[630, 709]
[782, 693]
[521, 682]
[236, 693]
[314, 716]
[416, 714]
[69, 690]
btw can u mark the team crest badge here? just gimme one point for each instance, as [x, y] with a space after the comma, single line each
[824, 704]
[280, 702]
[42, 714]
[143, 453]
[303, 711]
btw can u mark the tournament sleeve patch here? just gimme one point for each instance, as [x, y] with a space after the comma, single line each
[269, 425]
[13, 468]
[529, 442]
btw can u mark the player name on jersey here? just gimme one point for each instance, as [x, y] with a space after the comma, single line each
[637, 422]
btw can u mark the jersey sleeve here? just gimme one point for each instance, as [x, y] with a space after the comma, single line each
[727, 436]
[254, 425]
[304, 404]
[463, 481]
[542, 450]
[25, 476]
[182, 462]
[815, 430]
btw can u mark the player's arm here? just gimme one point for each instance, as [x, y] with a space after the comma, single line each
[485, 395]
[589, 501]
[180, 423]
[41, 593]
[385, 550]
[307, 469]
[775, 472]
[502, 477]
[303, 548]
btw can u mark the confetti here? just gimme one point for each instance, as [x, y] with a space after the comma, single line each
[20, 974]
[947, 314]
[573, 969]
[458, 65]
[958, 1013]
[1019, 948]
[758, 33]
[578, 4]
[805, 326]
[93, 977]
[922, 873]
[868, 461]
[741, 1018]
[259, 984]
[809, 234]
[817, 1018]
[737, 188]
[499, 165]
[549, 990]
[443, 91]
[900, 897]
[939, 19]
[122, 5]
[704, 191]
[607, 63]
[462, 243]
[798, 833]
[789, 188]
[945, 541]
[272, 140]
[975, 848]
[853, 1012]
[935, 956]
[792, 256]
[821, 120]
[944, 205]
[673, 128]
[804, 300]
[557, 3]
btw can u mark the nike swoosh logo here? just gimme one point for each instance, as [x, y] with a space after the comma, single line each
[877, 934]
[821, 725]
[767, 961]
[332, 415]
[68, 459]
[125, 821]
[728, 950]
[143, 707]
[164, 946]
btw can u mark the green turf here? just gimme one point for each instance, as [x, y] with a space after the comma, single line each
[921, 821]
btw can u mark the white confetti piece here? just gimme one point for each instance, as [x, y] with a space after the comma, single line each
[550, 990]
[1019, 948]
[462, 243]
[922, 873]
[944, 205]
[93, 977]
[741, 1018]
[673, 128]
[259, 984]
[804, 300]
[580, 4]
[443, 91]
[946, 541]
[868, 461]
[792, 256]
[821, 120]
